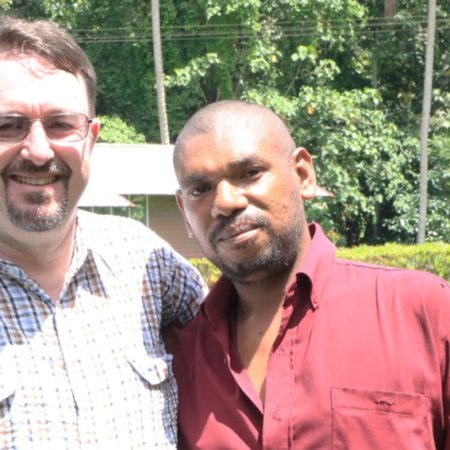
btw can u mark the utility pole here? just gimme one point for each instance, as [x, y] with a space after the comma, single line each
[390, 7]
[159, 74]
[426, 108]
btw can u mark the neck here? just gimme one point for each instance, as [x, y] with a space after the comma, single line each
[266, 294]
[259, 314]
[45, 257]
[266, 290]
[258, 321]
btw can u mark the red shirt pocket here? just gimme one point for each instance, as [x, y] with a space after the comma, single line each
[380, 420]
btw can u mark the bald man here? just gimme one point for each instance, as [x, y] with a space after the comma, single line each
[295, 348]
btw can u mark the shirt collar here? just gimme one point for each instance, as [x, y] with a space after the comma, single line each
[318, 263]
[316, 267]
[80, 252]
[219, 300]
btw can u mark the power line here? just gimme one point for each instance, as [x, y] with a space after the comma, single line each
[381, 21]
[287, 29]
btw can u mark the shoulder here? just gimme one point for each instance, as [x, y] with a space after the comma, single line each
[416, 290]
[121, 240]
[409, 280]
[180, 340]
[100, 231]
[211, 323]
[188, 332]
[115, 226]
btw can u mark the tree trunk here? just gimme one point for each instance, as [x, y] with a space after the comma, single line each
[390, 8]
[159, 74]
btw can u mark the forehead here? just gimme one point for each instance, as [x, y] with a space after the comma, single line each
[30, 82]
[225, 149]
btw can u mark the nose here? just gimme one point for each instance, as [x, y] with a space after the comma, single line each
[228, 199]
[36, 146]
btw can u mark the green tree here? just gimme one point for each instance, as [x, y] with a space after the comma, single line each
[5, 5]
[115, 130]
[346, 79]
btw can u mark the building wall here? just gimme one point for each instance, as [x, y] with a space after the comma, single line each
[166, 220]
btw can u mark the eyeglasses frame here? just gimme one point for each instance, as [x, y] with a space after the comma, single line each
[30, 122]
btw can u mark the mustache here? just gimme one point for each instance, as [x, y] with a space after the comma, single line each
[236, 221]
[52, 167]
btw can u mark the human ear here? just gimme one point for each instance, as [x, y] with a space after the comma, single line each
[304, 168]
[179, 198]
[95, 129]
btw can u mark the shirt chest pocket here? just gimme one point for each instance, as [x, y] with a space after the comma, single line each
[146, 399]
[155, 380]
[153, 370]
[372, 420]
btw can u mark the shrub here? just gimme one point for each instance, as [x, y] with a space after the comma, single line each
[432, 257]
[209, 271]
[115, 130]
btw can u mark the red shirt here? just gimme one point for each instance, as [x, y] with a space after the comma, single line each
[361, 362]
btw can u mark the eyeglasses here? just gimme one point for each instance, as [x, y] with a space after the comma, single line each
[59, 128]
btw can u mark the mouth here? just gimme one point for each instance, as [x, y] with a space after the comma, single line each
[35, 181]
[26, 174]
[238, 234]
[239, 231]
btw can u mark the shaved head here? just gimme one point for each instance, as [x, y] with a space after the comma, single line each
[242, 184]
[228, 115]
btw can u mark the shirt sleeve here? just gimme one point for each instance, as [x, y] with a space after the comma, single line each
[184, 289]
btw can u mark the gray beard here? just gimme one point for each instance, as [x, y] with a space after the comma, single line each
[34, 220]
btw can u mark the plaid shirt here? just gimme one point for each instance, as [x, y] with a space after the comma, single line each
[91, 371]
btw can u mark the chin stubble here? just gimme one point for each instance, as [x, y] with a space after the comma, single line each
[279, 256]
[37, 219]
[35, 216]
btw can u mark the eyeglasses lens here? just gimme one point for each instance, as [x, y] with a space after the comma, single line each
[13, 128]
[66, 127]
[58, 127]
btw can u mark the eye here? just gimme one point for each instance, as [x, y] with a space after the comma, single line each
[64, 126]
[199, 190]
[61, 123]
[252, 172]
[10, 123]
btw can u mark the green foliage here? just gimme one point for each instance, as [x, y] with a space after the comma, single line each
[5, 5]
[116, 130]
[191, 74]
[438, 225]
[208, 270]
[117, 37]
[347, 82]
[431, 257]
[360, 157]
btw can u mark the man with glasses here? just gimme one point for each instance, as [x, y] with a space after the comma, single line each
[82, 297]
